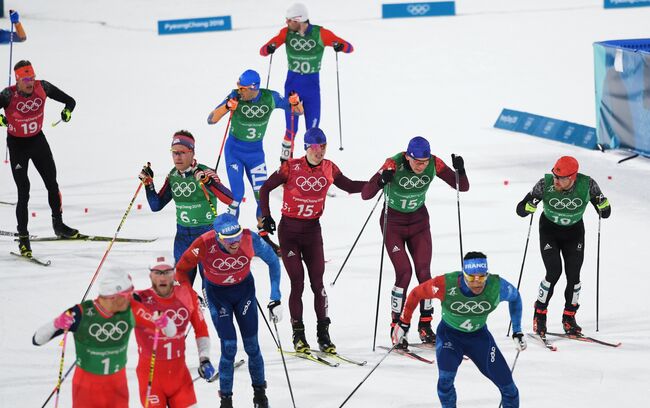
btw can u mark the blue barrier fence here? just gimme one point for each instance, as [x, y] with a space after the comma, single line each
[426, 9]
[194, 25]
[625, 3]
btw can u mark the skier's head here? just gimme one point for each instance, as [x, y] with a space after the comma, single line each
[297, 15]
[475, 271]
[229, 232]
[418, 154]
[115, 289]
[315, 145]
[183, 150]
[161, 273]
[25, 76]
[248, 85]
[565, 172]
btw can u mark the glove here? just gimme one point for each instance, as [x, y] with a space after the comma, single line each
[232, 208]
[458, 163]
[161, 321]
[206, 370]
[64, 321]
[398, 334]
[207, 176]
[66, 115]
[389, 164]
[386, 177]
[146, 175]
[231, 104]
[270, 49]
[3, 120]
[275, 311]
[285, 153]
[520, 342]
[338, 47]
[531, 206]
[294, 99]
[268, 224]
[14, 17]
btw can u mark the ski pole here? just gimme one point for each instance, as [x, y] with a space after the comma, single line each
[286, 372]
[512, 370]
[11, 54]
[223, 142]
[460, 231]
[356, 240]
[338, 92]
[277, 343]
[523, 261]
[110, 245]
[207, 197]
[56, 123]
[381, 263]
[56, 386]
[293, 134]
[268, 76]
[367, 375]
[60, 379]
[151, 367]
[598, 271]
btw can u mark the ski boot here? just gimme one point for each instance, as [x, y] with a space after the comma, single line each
[61, 230]
[226, 401]
[427, 336]
[24, 246]
[539, 319]
[569, 322]
[322, 332]
[259, 396]
[299, 341]
[404, 345]
[265, 236]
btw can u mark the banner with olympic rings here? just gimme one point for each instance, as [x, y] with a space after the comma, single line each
[427, 9]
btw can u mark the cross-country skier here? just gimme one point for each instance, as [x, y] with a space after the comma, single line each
[566, 194]
[18, 35]
[226, 253]
[306, 181]
[305, 43]
[467, 298]
[405, 179]
[172, 384]
[187, 184]
[251, 109]
[101, 329]
[24, 105]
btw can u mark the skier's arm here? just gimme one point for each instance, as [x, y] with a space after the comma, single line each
[345, 183]
[221, 110]
[276, 179]
[277, 41]
[270, 257]
[449, 176]
[200, 328]
[190, 258]
[214, 186]
[5, 98]
[58, 95]
[528, 205]
[510, 294]
[283, 103]
[47, 332]
[431, 289]
[158, 201]
[598, 199]
[330, 40]
[375, 183]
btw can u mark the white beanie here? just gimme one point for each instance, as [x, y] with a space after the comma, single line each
[114, 282]
[298, 12]
[161, 263]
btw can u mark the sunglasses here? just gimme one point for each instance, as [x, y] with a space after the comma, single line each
[230, 239]
[125, 294]
[162, 271]
[317, 146]
[180, 152]
[561, 177]
[475, 278]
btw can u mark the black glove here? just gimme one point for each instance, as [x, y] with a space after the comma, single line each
[338, 47]
[148, 170]
[385, 177]
[146, 175]
[3, 120]
[268, 224]
[458, 163]
[66, 115]
[206, 370]
[270, 49]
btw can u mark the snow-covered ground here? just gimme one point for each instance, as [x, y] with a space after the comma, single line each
[443, 78]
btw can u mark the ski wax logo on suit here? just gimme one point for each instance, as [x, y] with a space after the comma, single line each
[414, 182]
[183, 189]
[311, 183]
[418, 9]
[470, 306]
[254, 111]
[31, 105]
[565, 203]
[230, 263]
[179, 316]
[302, 44]
[108, 330]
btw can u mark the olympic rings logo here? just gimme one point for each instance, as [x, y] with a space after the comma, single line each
[311, 183]
[418, 9]
[230, 263]
[565, 203]
[31, 105]
[183, 188]
[302, 44]
[108, 330]
[471, 307]
[254, 111]
[179, 316]
[414, 182]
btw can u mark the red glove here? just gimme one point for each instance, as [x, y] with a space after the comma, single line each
[231, 104]
[294, 99]
[389, 164]
[206, 176]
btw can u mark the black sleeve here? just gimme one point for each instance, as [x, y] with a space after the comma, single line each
[58, 95]
[597, 197]
[5, 98]
[535, 196]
